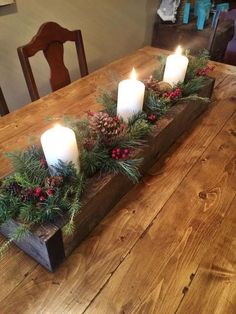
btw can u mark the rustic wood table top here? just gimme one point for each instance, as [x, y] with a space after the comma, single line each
[169, 246]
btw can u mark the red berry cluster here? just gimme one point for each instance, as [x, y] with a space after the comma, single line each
[41, 194]
[152, 118]
[119, 153]
[205, 71]
[174, 94]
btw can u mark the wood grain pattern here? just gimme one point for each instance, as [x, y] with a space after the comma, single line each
[11, 274]
[87, 271]
[167, 256]
[214, 287]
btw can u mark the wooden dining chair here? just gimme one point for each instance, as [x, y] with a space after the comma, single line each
[50, 39]
[225, 50]
[230, 54]
[3, 105]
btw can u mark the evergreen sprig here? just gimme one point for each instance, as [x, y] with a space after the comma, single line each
[129, 168]
[92, 160]
[139, 129]
[80, 127]
[193, 86]
[9, 207]
[19, 233]
[195, 97]
[108, 102]
[29, 170]
[153, 104]
[196, 63]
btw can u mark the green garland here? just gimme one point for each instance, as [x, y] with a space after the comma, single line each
[107, 145]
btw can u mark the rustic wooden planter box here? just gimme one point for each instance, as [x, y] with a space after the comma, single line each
[49, 245]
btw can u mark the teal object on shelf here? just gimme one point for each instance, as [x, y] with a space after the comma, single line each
[202, 11]
[201, 17]
[199, 4]
[223, 6]
[187, 7]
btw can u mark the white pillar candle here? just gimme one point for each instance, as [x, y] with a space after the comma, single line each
[59, 143]
[130, 97]
[176, 67]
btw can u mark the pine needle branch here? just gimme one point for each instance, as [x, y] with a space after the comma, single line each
[127, 167]
[27, 165]
[153, 104]
[194, 98]
[193, 86]
[108, 102]
[18, 235]
[196, 63]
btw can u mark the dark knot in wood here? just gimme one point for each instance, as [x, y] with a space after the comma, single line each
[203, 195]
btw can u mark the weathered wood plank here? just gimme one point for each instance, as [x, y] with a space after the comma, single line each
[44, 244]
[11, 274]
[91, 265]
[152, 278]
[213, 289]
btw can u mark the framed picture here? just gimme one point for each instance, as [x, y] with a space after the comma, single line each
[6, 2]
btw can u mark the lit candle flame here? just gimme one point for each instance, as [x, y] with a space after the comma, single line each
[57, 127]
[133, 75]
[179, 50]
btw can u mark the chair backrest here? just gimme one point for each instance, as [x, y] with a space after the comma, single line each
[3, 105]
[229, 15]
[230, 53]
[50, 39]
[217, 44]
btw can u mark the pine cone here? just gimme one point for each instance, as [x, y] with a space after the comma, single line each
[152, 84]
[158, 87]
[26, 194]
[89, 143]
[14, 189]
[106, 126]
[52, 182]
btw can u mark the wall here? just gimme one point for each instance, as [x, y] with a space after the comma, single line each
[110, 28]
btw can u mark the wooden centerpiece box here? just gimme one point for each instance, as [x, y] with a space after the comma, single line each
[49, 245]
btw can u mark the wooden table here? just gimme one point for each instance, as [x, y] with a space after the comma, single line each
[169, 245]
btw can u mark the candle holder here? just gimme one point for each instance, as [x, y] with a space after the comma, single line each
[50, 244]
[112, 158]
